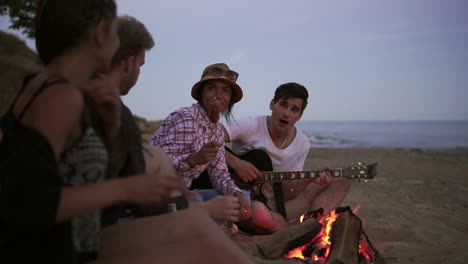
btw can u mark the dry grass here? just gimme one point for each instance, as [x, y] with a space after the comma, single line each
[16, 61]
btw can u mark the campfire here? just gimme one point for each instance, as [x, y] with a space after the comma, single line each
[318, 249]
[317, 239]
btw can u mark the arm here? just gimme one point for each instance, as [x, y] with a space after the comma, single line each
[176, 136]
[105, 97]
[221, 179]
[56, 114]
[219, 174]
[244, 169]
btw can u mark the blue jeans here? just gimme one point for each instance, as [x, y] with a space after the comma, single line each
[207, 194]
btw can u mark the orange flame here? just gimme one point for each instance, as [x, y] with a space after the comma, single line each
[323, 238]
[297, 252]
[326, 235]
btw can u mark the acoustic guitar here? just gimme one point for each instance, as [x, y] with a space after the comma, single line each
[263, 192]
[260, 159]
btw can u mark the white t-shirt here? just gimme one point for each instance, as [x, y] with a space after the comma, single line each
[252, 133]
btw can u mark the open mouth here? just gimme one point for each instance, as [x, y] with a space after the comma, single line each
[283, 122]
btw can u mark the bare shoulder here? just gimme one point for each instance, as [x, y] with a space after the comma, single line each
[56, 113]
[60, 100]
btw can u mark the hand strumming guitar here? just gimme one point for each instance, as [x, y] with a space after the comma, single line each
[244, 169]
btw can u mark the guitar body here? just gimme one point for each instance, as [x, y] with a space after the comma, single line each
[259, 191]
[260, 159]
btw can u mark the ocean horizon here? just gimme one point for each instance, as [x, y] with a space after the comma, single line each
[423, 135]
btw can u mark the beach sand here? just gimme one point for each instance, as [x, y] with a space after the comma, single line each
[415, 210]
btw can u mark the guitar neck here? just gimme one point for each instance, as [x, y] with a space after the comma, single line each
[278, 176]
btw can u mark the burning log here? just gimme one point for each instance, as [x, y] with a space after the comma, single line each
[279, 243]
[345, 237]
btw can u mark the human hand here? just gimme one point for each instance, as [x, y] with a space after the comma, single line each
[245, 209]
[158, 163]
[324, 177]
[206, 154]
[105, 96]
[223, 208]
[152, 187]
[247, 171]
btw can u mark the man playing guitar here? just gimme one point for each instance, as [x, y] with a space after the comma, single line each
[288, 148]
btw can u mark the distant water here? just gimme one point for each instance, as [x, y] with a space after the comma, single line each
[424, 135]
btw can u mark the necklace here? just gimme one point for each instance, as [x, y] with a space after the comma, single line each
[285, 139]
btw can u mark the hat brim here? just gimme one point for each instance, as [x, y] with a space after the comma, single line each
[237, 95]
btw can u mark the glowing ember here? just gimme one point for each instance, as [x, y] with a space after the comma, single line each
[301, 218]
[365, 250]
[356, 209]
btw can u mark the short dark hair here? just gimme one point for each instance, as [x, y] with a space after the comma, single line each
[61, 25]
[292, 90]
[133, 36]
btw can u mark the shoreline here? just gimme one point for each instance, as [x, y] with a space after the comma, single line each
[457, 151]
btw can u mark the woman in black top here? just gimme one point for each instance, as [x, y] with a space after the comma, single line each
[52, 162]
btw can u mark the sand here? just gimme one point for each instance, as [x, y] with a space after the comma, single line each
[415, 210]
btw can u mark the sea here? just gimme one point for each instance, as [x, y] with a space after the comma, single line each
[422, 135]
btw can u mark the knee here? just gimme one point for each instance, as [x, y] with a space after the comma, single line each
[261, 216]
[311, 191]
[343, 184]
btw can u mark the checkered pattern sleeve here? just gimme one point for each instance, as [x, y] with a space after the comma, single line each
[217, 169]
[176, 137]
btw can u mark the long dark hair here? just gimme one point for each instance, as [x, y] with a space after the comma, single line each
[61, 24]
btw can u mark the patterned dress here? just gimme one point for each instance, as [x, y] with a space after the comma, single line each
[85, 162]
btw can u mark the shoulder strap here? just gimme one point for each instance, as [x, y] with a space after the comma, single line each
[25, 81]
[44, 86]
[278, 192]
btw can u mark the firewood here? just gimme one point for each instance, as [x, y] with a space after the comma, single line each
[257, 260]
[345, 239]
[276, 245]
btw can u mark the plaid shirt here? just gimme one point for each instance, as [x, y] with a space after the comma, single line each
[183, 133]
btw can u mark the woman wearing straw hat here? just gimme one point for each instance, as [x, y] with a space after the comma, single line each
[193, 138]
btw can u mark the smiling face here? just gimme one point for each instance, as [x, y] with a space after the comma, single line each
[215, 98]
[285, 113]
